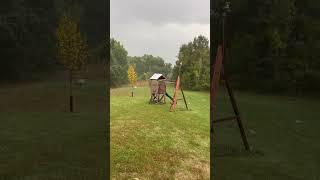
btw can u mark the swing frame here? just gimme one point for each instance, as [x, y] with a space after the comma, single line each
[217, 75]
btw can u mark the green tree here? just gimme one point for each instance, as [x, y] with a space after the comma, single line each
[132, 77]
[26, 40]
[72, 48]
[26, 34]
[118, 63]
[195, 71]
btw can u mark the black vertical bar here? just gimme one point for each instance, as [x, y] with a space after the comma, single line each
[107, 134]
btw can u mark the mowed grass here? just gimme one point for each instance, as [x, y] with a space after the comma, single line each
[40, 140]
[150, 142]
[283, 133]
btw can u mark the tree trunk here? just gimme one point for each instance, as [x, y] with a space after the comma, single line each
[70, 90]
[66, 90]
[132, 92]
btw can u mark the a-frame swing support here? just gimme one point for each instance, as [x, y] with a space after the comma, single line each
[177, 88]
[218, 69]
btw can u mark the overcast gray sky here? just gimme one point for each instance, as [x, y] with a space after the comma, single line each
[158, 27]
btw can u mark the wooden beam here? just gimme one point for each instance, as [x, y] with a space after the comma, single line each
[184, 99]
[236, 112]
[225, 119]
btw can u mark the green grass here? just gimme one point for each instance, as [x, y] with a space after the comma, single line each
[283, 133]
[40, 140]
[150, 142]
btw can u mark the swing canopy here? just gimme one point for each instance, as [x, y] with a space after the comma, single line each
[157, 76]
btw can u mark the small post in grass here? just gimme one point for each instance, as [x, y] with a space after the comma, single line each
[71, 103]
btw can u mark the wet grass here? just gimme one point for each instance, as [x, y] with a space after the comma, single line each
[40, 140]
[150, 142]
[283, 133]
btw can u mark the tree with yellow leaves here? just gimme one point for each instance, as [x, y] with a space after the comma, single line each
[72, 48]
[132, 76]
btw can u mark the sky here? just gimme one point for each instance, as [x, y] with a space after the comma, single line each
[158, 27]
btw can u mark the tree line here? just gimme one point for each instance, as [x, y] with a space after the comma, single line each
[273, 46]
[145, 66]
[27, 34]
[194, 72]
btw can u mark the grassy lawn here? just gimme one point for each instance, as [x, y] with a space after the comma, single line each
[40, 140]
[149, 142]
[284, 135]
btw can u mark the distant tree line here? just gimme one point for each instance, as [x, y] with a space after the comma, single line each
[273, 46]
[144, 66]
[147, 65]
[27, 34]
[195, 71]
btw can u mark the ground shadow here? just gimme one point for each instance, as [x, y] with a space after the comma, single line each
[223, 150]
